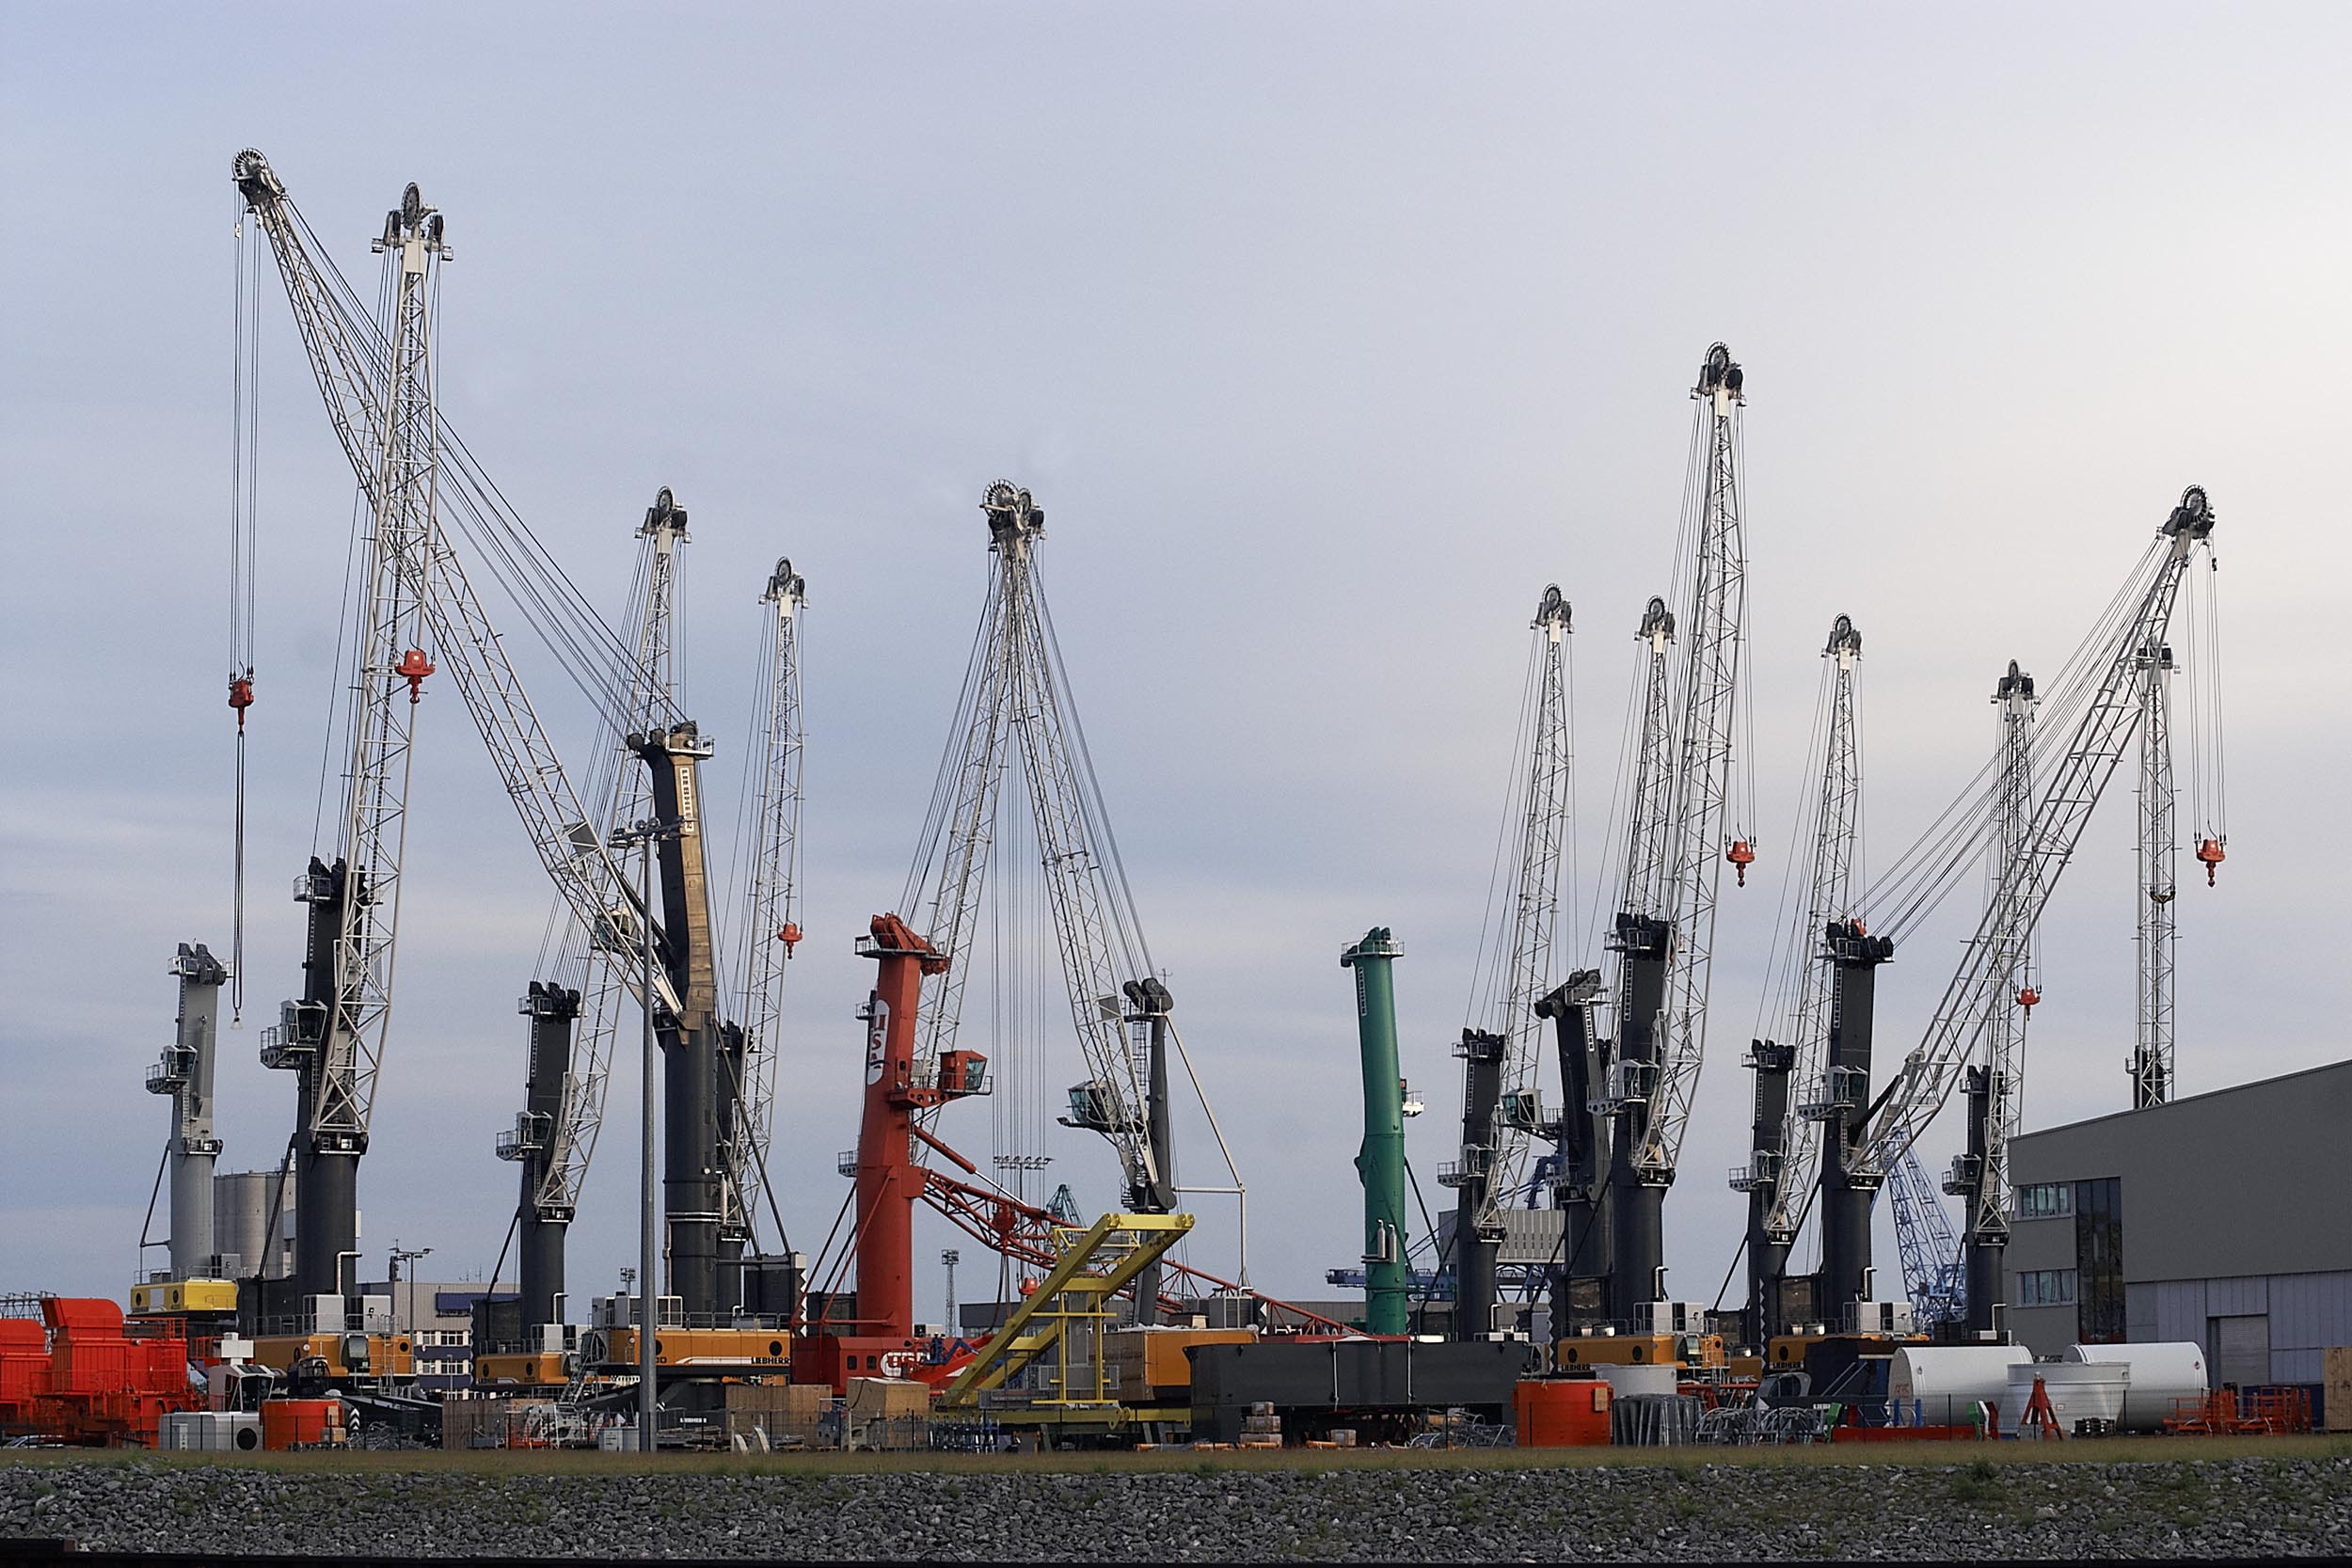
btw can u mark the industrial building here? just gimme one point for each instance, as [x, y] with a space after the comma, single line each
[437, 1317]
[2220, 1219]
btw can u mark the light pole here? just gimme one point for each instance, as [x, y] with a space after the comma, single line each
[641, 836]
[950, 1256]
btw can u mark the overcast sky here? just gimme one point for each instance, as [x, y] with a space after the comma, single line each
[1326, 335]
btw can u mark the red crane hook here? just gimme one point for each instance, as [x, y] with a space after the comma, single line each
[2210, 853]
[413, 667]
[241, 695]
[1741, 857]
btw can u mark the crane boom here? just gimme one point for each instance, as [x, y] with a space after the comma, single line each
[1014, 694]
[2159, 859]
[382, 405]
[1695, 828]
[770, 930]
[1976, 993]
[1653, 766]
[1932, 1275]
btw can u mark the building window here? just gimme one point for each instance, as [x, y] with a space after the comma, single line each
[2046, 1288]
[2099, 1259]
[2046, 1201]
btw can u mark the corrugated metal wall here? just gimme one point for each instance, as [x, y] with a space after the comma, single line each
[2308, 1313]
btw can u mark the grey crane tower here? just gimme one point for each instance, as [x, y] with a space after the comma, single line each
[185, 1073]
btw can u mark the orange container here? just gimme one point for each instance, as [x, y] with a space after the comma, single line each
[291, 1423]
[1562, 1412]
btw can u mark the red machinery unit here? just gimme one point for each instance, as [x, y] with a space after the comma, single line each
[23, 1374]
[77, 1377]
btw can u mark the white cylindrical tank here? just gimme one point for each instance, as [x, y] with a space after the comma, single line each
[2079, 1392]
[2162, 1373]
[1947, 1380]
[1622, 1381]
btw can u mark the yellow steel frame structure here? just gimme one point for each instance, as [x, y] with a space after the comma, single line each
[1093, 1266]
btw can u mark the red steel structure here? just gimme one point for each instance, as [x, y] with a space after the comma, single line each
[880, 1338]
[77, 1376]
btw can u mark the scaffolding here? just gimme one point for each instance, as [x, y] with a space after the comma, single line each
[1067, 1310]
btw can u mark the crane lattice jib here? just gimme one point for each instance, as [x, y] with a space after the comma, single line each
[610, 972]
[770, 928]
[1933, 1276]
[2159, 859]
[1535, 906]
[976, 748]
[1830, 897]
[383, 407]
[342, 348]
[1975, 995]
[1092, 948]
[1712, 634]
[1013, 695]
[2009, 947]
[1653, 767]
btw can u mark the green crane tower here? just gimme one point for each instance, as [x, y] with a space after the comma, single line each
[1381, 1160]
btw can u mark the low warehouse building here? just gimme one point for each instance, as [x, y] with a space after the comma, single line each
[2224, 1219]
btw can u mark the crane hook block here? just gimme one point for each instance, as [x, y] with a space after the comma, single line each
[2027, 997]
[1741, 857]
[413, 667]
[241, 696]
[2210, 853]
[789, 936]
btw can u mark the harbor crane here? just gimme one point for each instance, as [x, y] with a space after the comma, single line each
[1978, 1027]
[1664, 930]
[1015, 702]
[1016, 697]
[333, 1036]
[1501, 1107]
[1995, 1086]
[554, 1137]
[1823, 1044]
[1935, 1276]
[423, 614]
[771, 930]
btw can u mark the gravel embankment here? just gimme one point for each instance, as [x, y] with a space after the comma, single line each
[2238, 1507]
